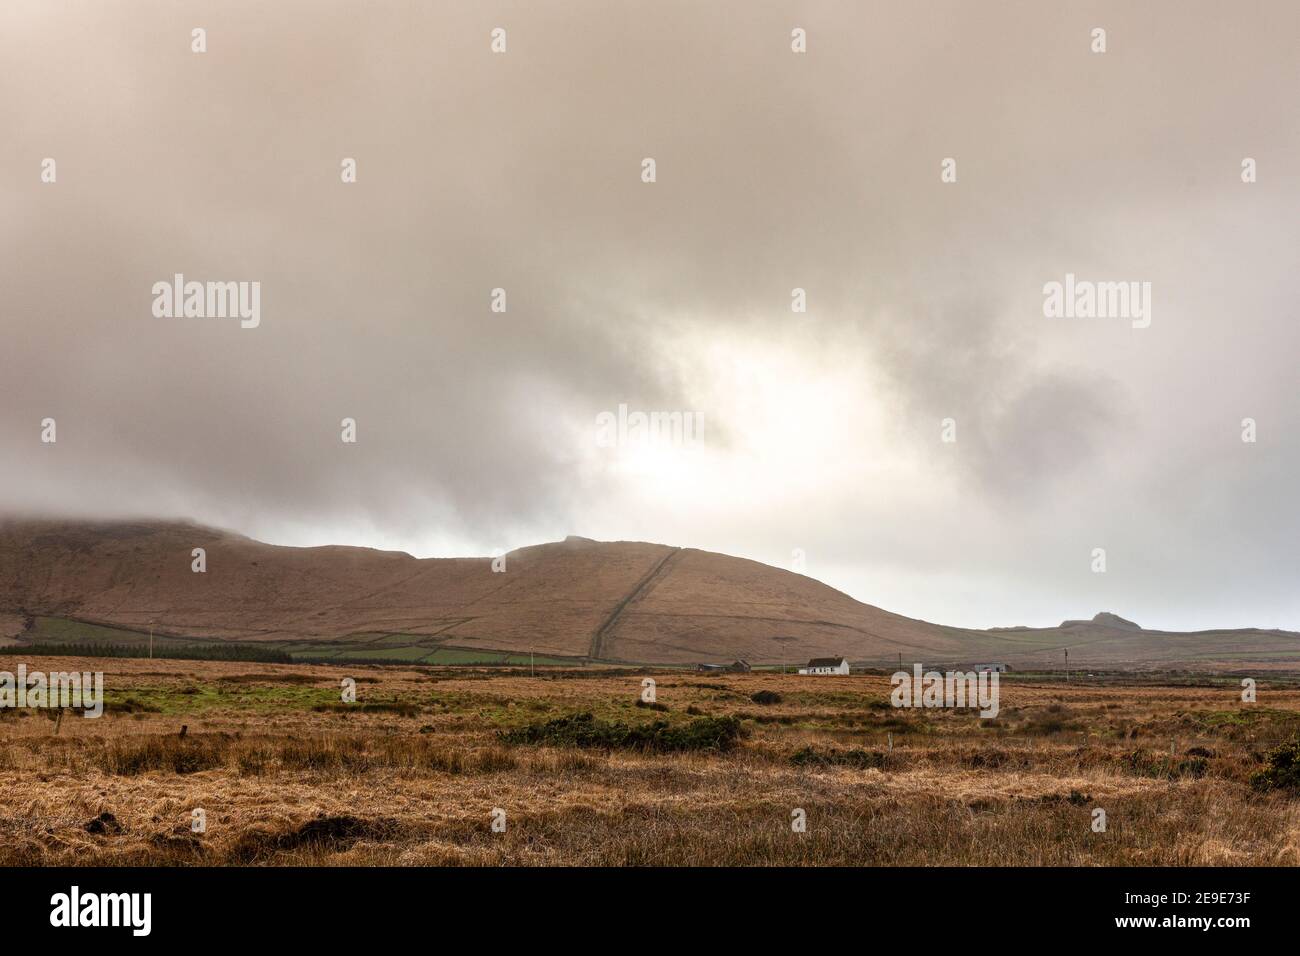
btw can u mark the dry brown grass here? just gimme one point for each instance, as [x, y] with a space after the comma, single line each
[283, 782]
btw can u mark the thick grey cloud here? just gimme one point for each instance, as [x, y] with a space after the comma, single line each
[775, 171]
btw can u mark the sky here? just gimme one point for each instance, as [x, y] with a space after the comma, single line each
[822, 433]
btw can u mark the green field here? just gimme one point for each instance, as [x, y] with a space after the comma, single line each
[368, 647]
[56, 630]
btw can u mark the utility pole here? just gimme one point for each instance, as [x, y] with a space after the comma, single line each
[1067, 665]
[151, 640]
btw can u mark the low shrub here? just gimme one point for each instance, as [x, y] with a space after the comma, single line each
[586, 730]
[1282, 770]
[857, 757]
[368, 707]
[1164, 766]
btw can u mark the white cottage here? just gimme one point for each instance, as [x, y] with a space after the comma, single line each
[826, 665]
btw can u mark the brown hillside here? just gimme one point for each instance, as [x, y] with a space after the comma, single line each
[615, 601]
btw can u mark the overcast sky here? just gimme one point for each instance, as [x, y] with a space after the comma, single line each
[476, 430]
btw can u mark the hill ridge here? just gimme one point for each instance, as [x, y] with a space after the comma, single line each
[634, 602]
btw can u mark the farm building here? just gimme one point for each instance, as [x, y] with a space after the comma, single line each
[735, 667]
[1000, 668]
[826, 665]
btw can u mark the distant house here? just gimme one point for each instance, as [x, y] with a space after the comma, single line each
[1000, 668]
[826, 665]
[735, 667]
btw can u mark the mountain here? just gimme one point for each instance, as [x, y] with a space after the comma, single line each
[609, 601]
[1105, 619]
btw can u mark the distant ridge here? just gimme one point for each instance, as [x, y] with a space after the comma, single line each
[1105, 619]
[580, 599]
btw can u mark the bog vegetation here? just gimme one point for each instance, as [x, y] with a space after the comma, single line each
[286, 772]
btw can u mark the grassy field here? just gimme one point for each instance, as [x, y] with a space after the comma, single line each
[286, 773]
[378, 648]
